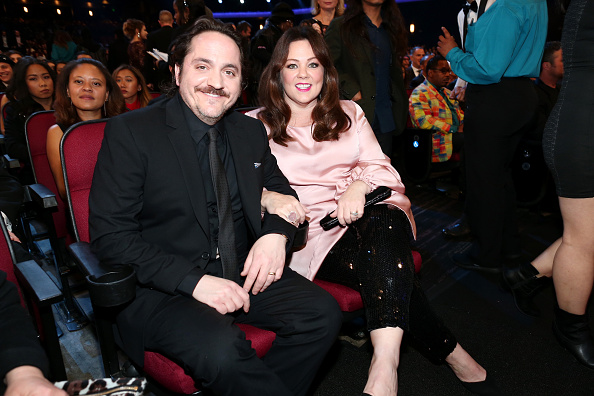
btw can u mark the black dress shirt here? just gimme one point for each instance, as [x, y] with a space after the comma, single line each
[199, 132]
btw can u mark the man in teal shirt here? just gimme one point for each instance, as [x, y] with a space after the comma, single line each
[503, 50]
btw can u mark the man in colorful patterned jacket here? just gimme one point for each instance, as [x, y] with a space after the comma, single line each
[430, 107]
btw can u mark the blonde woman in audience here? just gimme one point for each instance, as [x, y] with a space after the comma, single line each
[324, 11]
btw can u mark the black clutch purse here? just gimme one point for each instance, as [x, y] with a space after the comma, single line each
[377, 195]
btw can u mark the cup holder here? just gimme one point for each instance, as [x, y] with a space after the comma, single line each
[113, 288]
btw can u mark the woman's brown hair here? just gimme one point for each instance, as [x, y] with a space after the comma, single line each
[66, 114]
[131, 26]
[144, 95]
[328, 117]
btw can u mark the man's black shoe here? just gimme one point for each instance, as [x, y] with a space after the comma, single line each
[464, 260]
[457, 230]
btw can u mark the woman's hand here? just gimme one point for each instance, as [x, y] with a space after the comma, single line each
[351, 203]
[286, 206]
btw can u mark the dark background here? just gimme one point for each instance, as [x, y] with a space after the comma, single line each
[427, 15]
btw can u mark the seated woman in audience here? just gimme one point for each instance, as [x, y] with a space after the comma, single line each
[31, 90]
[324, 11]
[133, 86]
[329, 153]
[63, 48]
[84, 91]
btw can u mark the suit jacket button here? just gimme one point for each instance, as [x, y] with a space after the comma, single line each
[205, 256]
[373, 97]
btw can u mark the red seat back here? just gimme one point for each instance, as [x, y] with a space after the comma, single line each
[78, 150]
[36, 128]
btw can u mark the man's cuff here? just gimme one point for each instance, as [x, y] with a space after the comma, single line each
[187, 286]
[274, 224]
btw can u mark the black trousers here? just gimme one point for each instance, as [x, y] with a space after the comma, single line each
[305, 318]
[497, 116]
[374, 257]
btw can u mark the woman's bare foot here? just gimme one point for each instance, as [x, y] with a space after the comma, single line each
[383, 371]
[383, 376]
[465, 367]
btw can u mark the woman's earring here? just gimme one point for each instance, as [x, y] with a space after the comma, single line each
[138, 34]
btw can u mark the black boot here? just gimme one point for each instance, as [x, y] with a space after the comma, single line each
[523, 283]
[573, 333]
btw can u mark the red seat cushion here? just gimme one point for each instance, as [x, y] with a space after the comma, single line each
[173, 377]
[418, 260]
[349, 300]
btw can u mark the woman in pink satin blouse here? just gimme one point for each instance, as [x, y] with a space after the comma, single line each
[329, 153]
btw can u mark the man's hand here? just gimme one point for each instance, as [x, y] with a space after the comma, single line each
[221, 294]
[265, 263]
[446, 43]
[29, 381]
[458, 93]
[285, 206]
[351, 203]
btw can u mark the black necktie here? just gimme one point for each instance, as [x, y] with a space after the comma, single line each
[226, 238]
[466, 8]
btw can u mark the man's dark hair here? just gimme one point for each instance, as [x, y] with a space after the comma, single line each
[183, 43]
[433, 63]
[392, 18]
[549, 50]
[243, 26]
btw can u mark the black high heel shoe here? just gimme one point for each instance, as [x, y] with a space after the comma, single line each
[573, 333]
[488, 387]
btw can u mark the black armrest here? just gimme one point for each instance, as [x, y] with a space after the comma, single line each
[38, 283]
[42, 196]
[108, 286]
[11, 163]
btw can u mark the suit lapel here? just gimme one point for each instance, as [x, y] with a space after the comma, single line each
[250, 190]
[185, 150]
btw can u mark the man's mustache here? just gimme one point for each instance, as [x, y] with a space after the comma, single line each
[212, 91]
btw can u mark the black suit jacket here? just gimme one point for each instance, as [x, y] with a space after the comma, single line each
[148, 206]
[357, 74]
[160, 39]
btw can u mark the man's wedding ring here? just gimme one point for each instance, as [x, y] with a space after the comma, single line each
[272, 273]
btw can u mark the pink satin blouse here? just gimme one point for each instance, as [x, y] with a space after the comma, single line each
[320, 172]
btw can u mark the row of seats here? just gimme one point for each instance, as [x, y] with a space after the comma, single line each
[108, 288]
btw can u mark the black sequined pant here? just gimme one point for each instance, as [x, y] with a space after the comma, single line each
[374, 257]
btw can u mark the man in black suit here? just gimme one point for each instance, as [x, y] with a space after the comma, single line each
[160, 39]
[153, 206]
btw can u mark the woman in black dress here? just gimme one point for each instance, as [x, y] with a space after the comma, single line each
[568, 145]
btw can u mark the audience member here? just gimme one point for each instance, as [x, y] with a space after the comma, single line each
[263, 43]
[503, 50]
[133, 86]
[135, 30]
[22, 359]
[324, 11]
[6, 65]
[63, 48]
[416, 55]
[467, 16]
[431, 108]
[60, 66]
[160, 39]
[415, 82]
[83, 55]
[312, 23]
[84, 91]
[329, 153]
[245, 31]
[152, 206]
[89, 46]
[369, 76]
[570, 259]
[31, 90]
[14, 56]
[187, 12]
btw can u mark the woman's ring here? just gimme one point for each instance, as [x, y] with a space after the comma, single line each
[272, 273]
[292, 217]
[355, 214]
